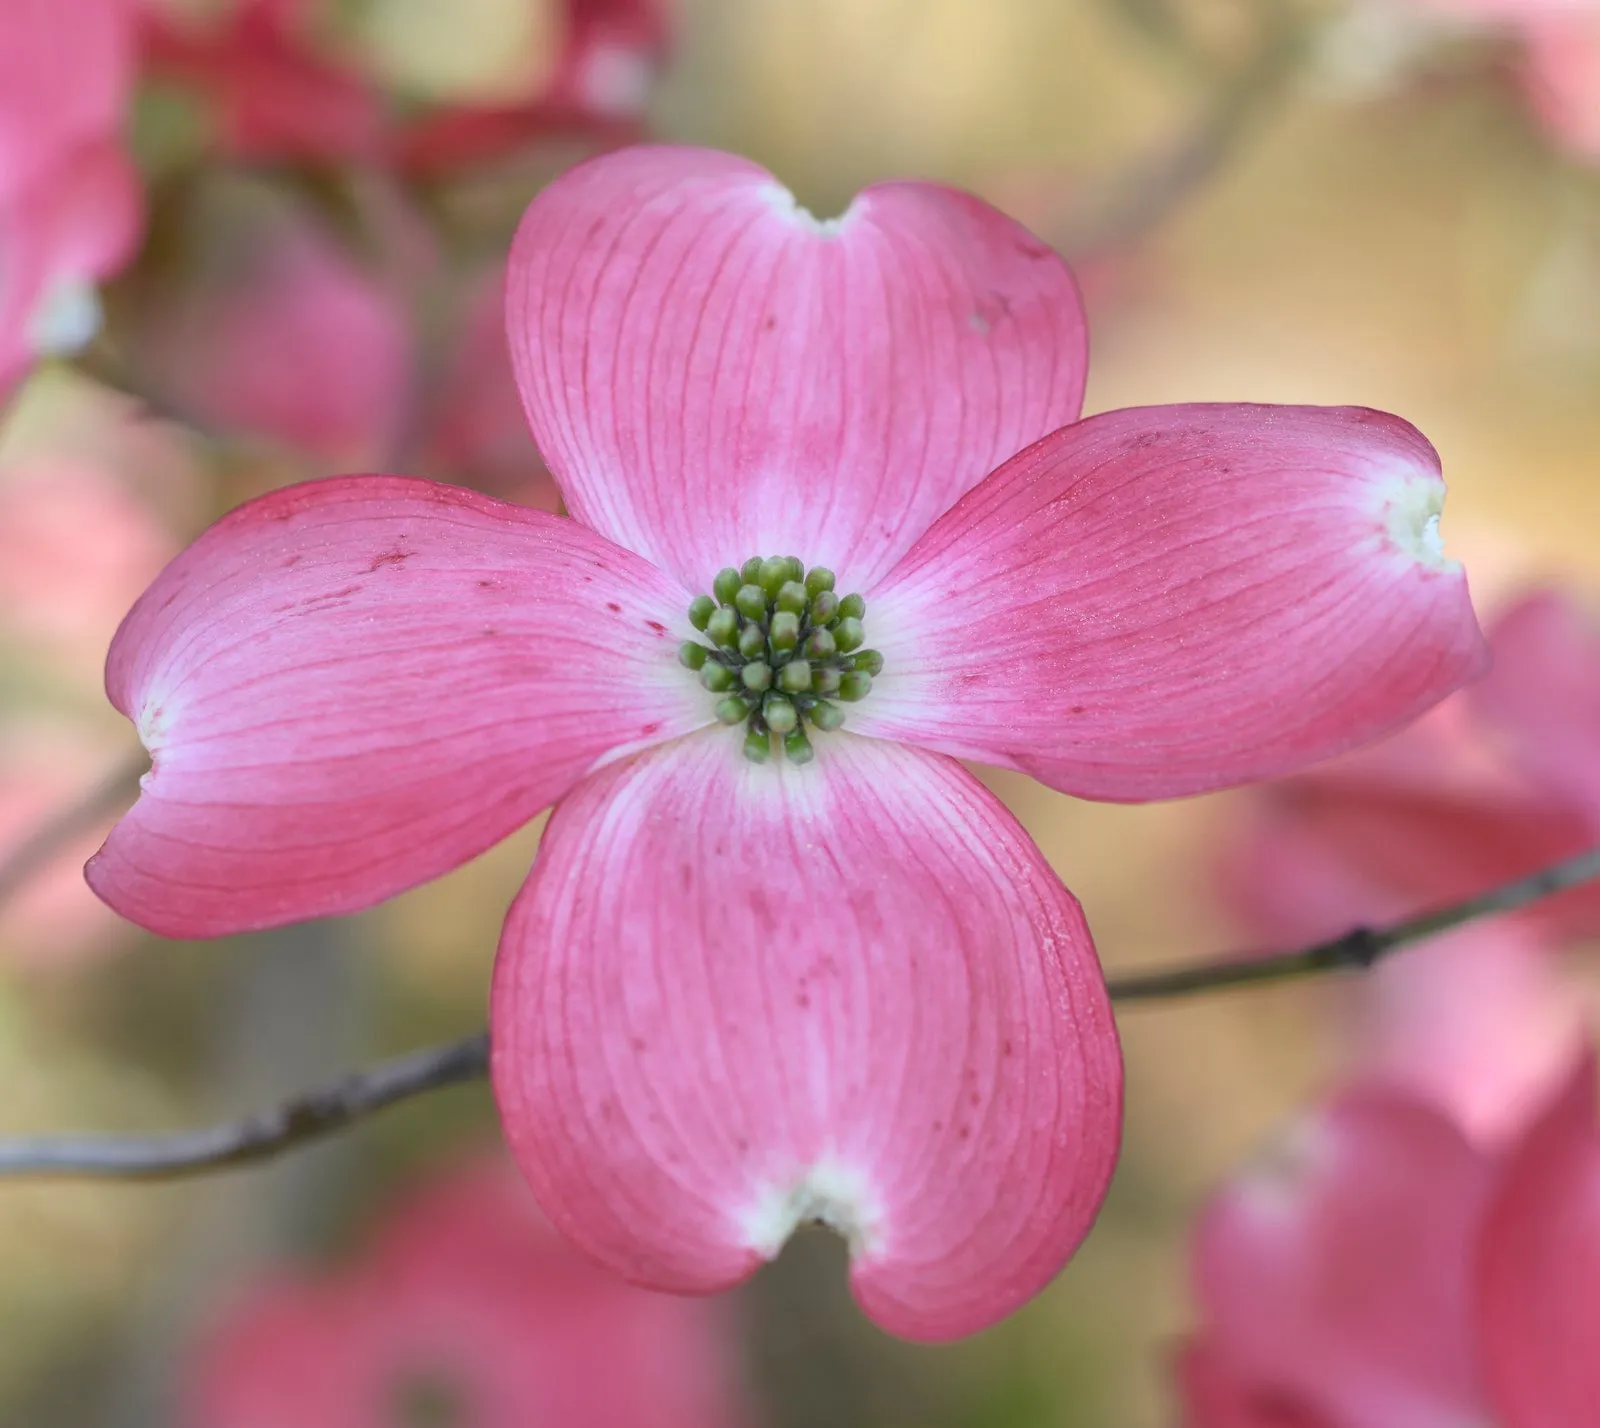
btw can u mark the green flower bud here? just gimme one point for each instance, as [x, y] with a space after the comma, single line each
[700, 610]
[750, 571]
[852, 607]
[756, 677]
[848, 634]
[867, 661]
[723, 627]
[824, 608]
[792, 597]
[751, 602]
[718, 678]
[798, 748]
[780, 714]
[785, 630]
[827, 717]
[854, 685]
[774, 574]
[795, 677]
[752, 642]
[733, 710]
[757, 746]
[726, 585]
[818, 579]
[820, 645]
[825, 680]
[691, 655]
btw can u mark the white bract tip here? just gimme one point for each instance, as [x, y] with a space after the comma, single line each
[789, 206]
[1411, 508]
[66, 318]
[828, 1194]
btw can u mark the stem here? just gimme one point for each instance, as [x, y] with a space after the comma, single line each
[1358, 948]
[307, 1117]
[333, 1107]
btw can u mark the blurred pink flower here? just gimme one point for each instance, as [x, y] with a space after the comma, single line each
[741, 992]
[1493, 784]
[76, 548]
[467, 1309]
[291, 338]
[478, 435]
[271, 94]
[276, 96]
[70, 207]
[1380, 1271]
[1558, 67]
[613, 52]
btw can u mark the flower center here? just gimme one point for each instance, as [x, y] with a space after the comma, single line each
[780, 647]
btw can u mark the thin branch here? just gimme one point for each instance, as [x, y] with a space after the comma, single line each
[333, 1107]
[305, 1118]
[1139, 200]
[1359, 948]
[57, 833]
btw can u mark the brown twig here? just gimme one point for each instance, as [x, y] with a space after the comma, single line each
[329, 1108]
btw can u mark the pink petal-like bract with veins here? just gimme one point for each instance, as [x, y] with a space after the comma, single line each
[1164, 600]
[351, 686]
[1544, 697]
[1339, 1267]
[733, 999]
[714, 374]
[66, 69]
[1539, 1270]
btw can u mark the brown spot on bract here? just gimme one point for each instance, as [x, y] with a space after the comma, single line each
[612, 606]
[488, 585]
[657, 626]
[398, 556]
[648, 730]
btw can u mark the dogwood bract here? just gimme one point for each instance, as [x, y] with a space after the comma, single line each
[834, 520]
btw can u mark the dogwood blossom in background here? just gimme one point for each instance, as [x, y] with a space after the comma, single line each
[76, 544]
[767, 969]
[70, 207]
[1378, 1270]
[1555, 44]
[1488, 787]
[279, 332]
[465, 1310]
[281, 82]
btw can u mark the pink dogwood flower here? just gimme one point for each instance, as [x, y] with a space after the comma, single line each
[467, 1310]
[276, 95]
[1496, 782]
[70, 206]
[1558, 67]
[1381, 1271]
[768, 969]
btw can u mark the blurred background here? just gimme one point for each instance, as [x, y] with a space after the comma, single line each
[1394, 203]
